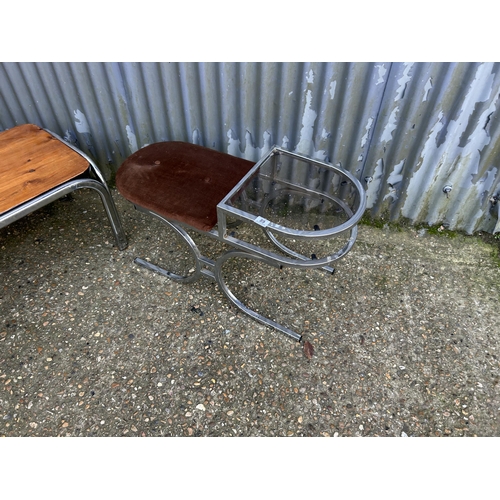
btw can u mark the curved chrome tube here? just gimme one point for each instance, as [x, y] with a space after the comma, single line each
[66, 188]
[242, 307]
[193, 249]
[286, 257]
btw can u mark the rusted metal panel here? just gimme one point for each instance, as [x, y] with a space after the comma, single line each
[423, 136]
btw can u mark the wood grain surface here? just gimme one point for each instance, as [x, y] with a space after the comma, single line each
[31, 162]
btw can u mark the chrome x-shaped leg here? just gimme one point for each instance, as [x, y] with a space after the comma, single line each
[213, 269]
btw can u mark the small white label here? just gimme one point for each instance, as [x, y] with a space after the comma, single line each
[261, 221]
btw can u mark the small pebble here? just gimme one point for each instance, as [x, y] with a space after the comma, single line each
[230, 360]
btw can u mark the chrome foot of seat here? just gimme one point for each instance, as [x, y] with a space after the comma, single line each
[165, 272]
[242, 307]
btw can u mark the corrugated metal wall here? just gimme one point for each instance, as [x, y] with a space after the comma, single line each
[423, 137]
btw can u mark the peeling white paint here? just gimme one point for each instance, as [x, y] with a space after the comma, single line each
[464, 92]
[381, 73]
[320, 154]
[233, 145]
[390, 126]
[480, 89]
[396, 176]
[81, 123]
[333, 86]
[403, 81]
[427, 89]
[391, 194]
[374, 185]
[70, 137]
[250, 150]
[306, 133]
[488, 179]
[196, 137]
[367, 128]
[304, 146]
[481, 188]
[132, 140]
[255, 154]
[454, 164]
[473, 195]
[422, 178]
[251, 153]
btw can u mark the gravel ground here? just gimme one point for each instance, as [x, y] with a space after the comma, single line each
[406, 336]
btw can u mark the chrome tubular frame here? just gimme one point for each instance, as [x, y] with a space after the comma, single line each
[213, 269]
[93, 180]
[246, 250]
[255, 315]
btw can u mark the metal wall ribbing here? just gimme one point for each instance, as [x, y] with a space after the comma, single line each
[423, 137]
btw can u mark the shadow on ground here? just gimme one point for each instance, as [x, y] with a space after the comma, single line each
[406, 336]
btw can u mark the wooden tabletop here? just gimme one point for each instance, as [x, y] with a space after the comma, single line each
[31, 162]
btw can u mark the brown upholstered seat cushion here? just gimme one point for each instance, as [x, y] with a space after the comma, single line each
[180, 181]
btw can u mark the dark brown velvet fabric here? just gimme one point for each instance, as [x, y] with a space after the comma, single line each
[180, 181]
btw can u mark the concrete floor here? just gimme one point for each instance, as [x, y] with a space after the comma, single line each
[406, 336]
